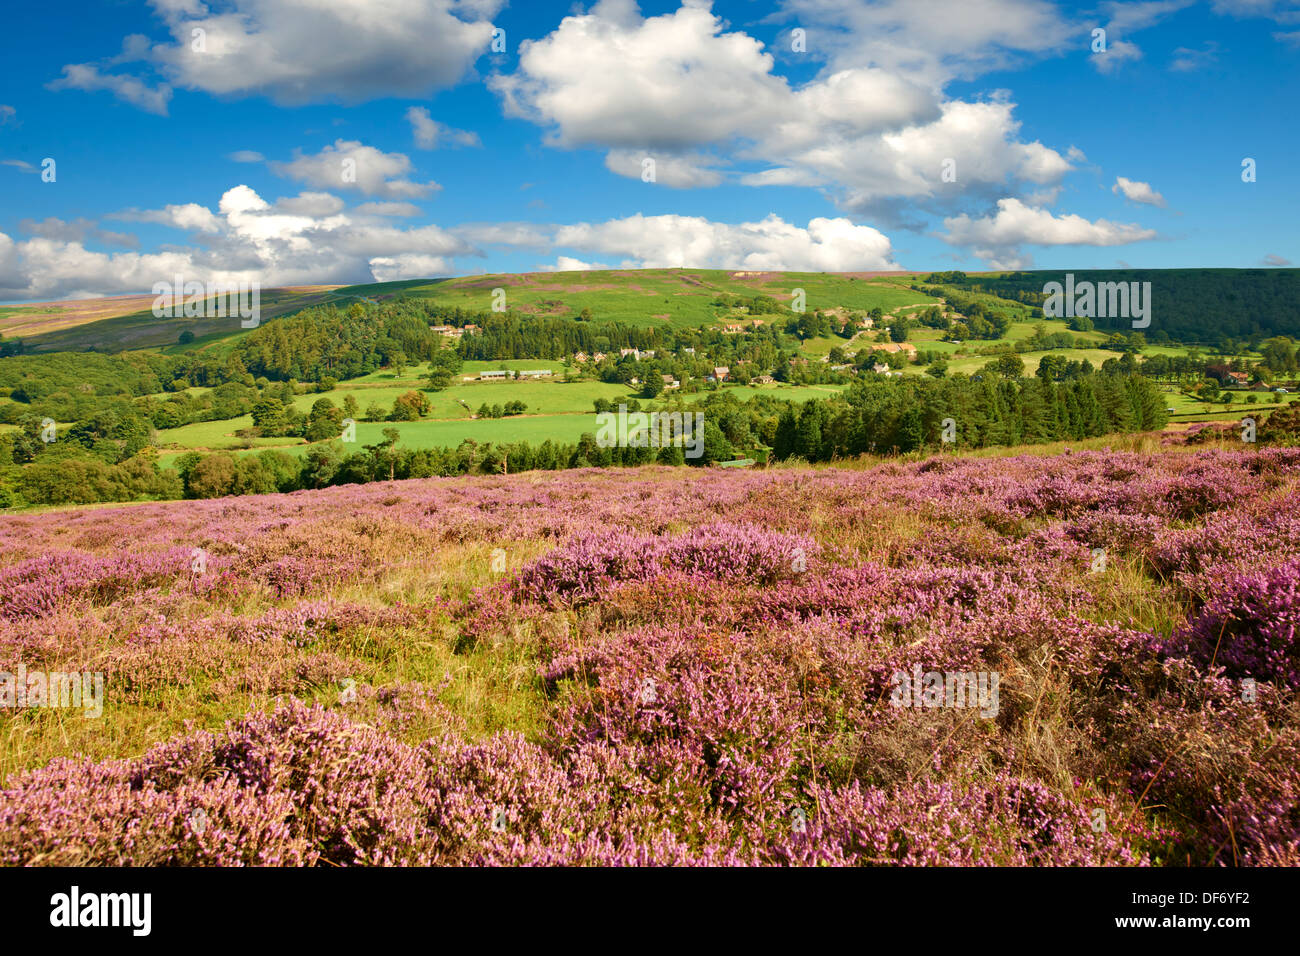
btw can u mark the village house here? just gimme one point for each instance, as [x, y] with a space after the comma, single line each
[580, 357]
[732, 329]
[599, 357]
[720, 374]
[1240, 378]
[764, 380]
[893, 347]
[670, 382]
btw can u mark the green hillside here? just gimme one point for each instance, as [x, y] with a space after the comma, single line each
[682, 298]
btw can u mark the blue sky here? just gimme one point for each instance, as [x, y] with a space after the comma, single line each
[917, 134]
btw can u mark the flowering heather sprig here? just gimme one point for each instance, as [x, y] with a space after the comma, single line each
[1249, 627]
[306, 786]
[1251, 534]
[587, 566]
[37, 587]
[1220, 764]
[1005, 822]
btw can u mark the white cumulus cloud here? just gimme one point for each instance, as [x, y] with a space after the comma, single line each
[682, 89]
[430, 134]
[648, 242]
[1015, 223]
[297, 51]
[304, 239]
[570, 264]
[351, 165]
[1137, 192]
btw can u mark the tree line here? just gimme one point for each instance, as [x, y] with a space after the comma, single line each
[901, 416]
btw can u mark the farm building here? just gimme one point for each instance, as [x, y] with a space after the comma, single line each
[496, 375]
[452, 331]
[535, 373]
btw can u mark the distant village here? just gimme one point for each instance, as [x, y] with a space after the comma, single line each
[837, 361]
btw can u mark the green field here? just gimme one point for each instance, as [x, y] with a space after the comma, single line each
[1188, 409]
[556, 410]
[971, 364]
[542, 398]
[533, 429]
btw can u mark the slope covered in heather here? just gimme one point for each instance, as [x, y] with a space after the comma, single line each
[671, 666]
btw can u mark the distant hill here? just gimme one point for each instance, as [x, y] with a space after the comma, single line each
[681, 297]
[1188, 305]
[116, 323]
[685, 298]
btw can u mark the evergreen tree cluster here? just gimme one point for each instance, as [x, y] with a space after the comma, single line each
[904, 415]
